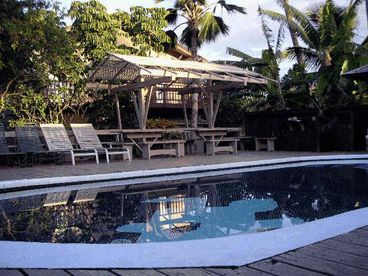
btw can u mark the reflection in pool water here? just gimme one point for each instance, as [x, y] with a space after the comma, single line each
[200, 208]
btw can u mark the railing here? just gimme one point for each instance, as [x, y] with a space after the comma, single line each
[168, 99]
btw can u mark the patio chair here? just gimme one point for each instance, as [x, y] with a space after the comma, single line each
[88, 140]
[4, 150]
[57, 140]
[29, 142]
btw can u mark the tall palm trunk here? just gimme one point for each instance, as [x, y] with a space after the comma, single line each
[195, 96]
[293, 35]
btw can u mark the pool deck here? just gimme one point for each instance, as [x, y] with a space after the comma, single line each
[88, 168]
[342, 255]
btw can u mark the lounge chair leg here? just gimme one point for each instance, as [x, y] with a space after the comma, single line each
[129, 156]
[97, 160]
[107, 156]
[73, 157]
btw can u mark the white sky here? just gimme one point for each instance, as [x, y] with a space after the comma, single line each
[245, 30]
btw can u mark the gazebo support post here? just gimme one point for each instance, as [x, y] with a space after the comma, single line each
[184, 100]
[136, 106]
[147, 105]
[218, 101]
[117, 106]
[118, 113]
[210, 109]
[142, 107]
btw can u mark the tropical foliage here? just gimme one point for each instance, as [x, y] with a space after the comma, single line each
[139, 32]
[201, 24]
[328, 32]
[35, 46]
[44, 63]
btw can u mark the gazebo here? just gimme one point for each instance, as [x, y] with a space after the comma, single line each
[141, 76]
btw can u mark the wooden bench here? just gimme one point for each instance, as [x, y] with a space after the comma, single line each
[267, 143]
[169, 147]
[214, 146]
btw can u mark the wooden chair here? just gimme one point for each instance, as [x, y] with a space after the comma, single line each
[88, 140]
[57, 140]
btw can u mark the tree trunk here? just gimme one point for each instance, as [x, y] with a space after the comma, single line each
[293, 35]
[195, 96]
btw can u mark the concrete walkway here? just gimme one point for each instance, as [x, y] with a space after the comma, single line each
[88, 168]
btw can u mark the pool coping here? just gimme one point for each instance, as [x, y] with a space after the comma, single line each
[216, 252]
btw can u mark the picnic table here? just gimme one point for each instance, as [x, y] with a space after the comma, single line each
[150, 142]
[216, 139]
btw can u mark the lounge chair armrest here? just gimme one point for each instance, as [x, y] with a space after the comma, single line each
[113, 144]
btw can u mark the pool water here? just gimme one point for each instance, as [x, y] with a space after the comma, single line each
[201, 208]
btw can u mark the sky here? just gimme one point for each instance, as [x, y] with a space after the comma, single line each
[245, 30]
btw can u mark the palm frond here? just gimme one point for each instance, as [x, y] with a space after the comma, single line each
[279, 40]
[237, 53]
[231, 8]
[172, 16]
[267, 32]
[211, 27]
[186, 37]
[307, 25]
[311, 57]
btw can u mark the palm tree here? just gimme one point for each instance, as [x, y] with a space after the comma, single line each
[328, 32]
[286, 19]
[268, 64]
[201, 25]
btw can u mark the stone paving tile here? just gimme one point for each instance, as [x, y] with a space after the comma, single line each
[85, 168]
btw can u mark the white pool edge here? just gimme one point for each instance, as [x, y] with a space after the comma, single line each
[235, 250]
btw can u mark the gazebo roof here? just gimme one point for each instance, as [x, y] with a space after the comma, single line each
[358, 74]
[148, 71]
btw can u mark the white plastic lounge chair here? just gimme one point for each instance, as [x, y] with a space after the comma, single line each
[88, 140]
[57, 140]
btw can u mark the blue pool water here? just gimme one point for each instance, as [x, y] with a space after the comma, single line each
[201, 208]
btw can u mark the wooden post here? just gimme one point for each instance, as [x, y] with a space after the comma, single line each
[142, 109]
[218, 101]
[210, 109]
[117, 107]
[184, 99]
[147, 105]
[194, 121]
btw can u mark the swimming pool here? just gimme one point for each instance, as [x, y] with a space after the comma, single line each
[260, 209]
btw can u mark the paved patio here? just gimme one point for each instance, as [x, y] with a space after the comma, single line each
[86, 168]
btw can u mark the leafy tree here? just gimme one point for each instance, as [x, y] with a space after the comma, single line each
[140, 32]
[94, 28]
[145, 28]
[201, 25]
[34, 46]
